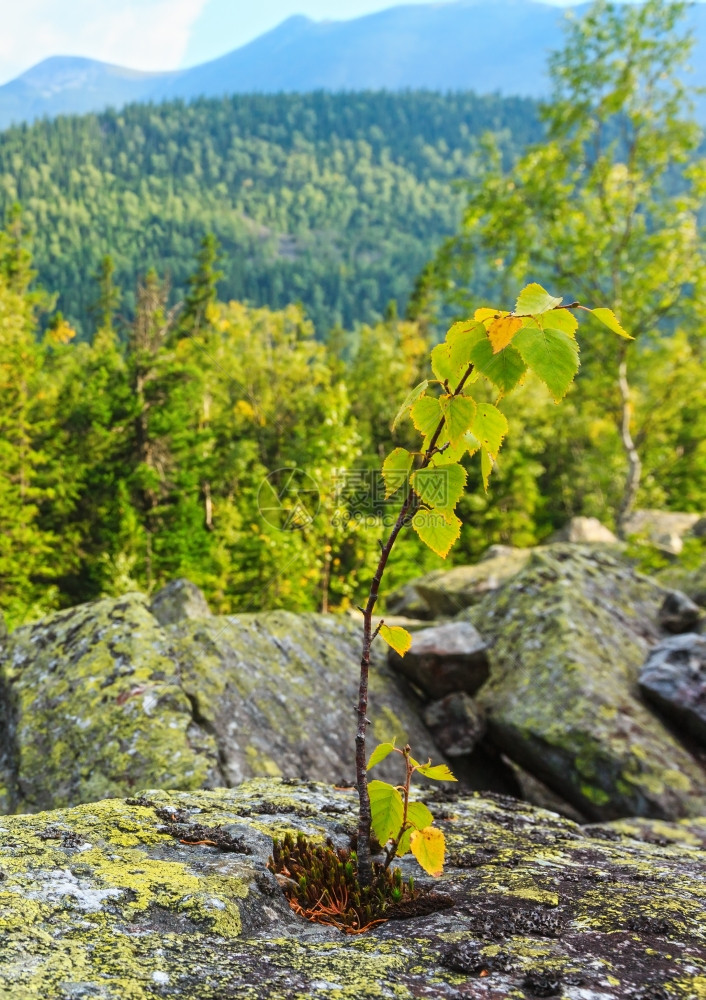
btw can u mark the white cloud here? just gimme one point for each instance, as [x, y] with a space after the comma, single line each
[141, 34]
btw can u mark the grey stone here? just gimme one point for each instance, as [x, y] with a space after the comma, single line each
[445, 658]
[679, 613]
[585, 530]
[132, 911]
[456, 723]
[674, 679]
[178, 601]
[568, 638]
[663, 528]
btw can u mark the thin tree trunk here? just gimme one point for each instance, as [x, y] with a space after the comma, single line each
[632, 482]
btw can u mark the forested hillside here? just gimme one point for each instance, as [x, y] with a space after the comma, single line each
[333, 200]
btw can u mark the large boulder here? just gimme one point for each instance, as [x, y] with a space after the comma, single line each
[568, 638]
[180, 600]
[443, 659]
[167, 895]
[444, 593]
[674, 679]
[100, 699]
[665, 529]
[585, 530]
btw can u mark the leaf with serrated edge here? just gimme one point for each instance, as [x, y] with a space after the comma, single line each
[489, 427]
[429, 848]
[560, 319]
[440, 486]
[488, 315]
[397, 638]
[409, 401]
[426, 414]
[420, 817]
[380, 752]
[533, 299]
[387, 810]
[486, 467]
[501, 331]
[396, 469]
[461, 339]
[436, 772]
[552, 355]
[608, 318]
[504, 369]
[437, 529]
[459, 413]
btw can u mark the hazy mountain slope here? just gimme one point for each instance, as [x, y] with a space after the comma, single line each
[481, 45]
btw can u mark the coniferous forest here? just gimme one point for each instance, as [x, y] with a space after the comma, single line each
[196, 297]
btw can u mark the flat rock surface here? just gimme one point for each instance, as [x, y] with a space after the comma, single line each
[108, 901]
[569, 635]
[101, 699]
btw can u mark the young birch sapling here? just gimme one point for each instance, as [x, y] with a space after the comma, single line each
[454, 421]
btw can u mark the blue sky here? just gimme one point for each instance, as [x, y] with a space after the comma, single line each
[152, 34]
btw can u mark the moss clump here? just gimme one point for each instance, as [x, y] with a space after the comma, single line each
[321, 884]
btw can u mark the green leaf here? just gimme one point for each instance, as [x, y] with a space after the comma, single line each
[396, 469]
[429, 847]
[552, 355]
[380, 752]
[490, 427]
[426, 414]
[420, 817]
[561, 319]
[443, 366]
[486, 467]
[440, 486]
[459, 413]
[504, 369]
[396, 637]
[410, 401]
[534, 299]
[387, 810]
[437, 529]
[461, 339]
[455, 452]
[436, 772]
[608, 318]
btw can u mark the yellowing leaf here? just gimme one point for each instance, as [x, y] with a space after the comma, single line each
[429, 847]
[534, 299]
[396, 469]
[552, 355]
[387, 809]
[397, 638]
[501, 331]
[487, 316]
[489, 427]
[380, 753]
[420, 817]
[437, 529]
[409, 401]
[426, 414]
[440, 486]
[459, 413]
[461, 339]
[436, 772]
[608, 318]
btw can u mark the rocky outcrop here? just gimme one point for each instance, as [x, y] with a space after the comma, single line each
[585, 530]
[102, 699]
[444, 659]
[180, 600]
[168, 895]
[444, 593]
[674, 679]
[662, 528]
[679, 613]
[568, 636]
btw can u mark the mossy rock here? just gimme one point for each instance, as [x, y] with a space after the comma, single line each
[116, 900]
[568, 638]
[101, 699]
